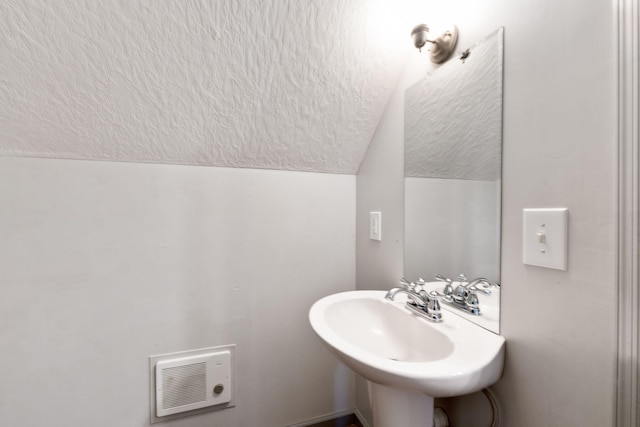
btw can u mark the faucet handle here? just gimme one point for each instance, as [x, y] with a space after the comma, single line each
[462, 278]
[439, 296]
[407, 284]
[472, 300]
[441, 278]
[448, 289]
[434, 298]
[421, 283]
[482, 290]
[481, 285]
[488, 284]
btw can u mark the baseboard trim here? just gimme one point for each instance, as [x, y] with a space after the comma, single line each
[361, 418]
[324, 418]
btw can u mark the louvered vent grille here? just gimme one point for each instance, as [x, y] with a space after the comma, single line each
[184, 385]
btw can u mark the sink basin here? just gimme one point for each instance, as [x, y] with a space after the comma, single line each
[386, 344]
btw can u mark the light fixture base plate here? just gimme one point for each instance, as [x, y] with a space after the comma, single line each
[444, 45]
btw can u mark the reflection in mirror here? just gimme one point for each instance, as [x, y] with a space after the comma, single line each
[453, 153]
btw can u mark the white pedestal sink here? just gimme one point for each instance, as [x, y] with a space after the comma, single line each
[408, 360]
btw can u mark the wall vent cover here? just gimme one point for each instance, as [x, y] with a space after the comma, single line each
[192, 382]
[184, 385]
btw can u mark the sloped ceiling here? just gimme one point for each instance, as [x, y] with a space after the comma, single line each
[277, 84]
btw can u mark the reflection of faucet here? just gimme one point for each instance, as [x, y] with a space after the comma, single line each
[465, 295]
[448, 289]
[425, 305]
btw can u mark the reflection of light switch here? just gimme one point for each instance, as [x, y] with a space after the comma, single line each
[545, 235]
[375, 226]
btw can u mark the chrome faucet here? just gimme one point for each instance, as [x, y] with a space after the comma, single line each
[465, 294]
[425, 305]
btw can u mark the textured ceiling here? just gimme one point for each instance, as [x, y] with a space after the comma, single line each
[294, 85]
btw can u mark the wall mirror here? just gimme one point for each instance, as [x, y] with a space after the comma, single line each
[453, 156]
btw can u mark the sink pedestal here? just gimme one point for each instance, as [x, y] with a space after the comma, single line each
[393, 407]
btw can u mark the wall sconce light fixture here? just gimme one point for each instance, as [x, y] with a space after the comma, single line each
[443, 45]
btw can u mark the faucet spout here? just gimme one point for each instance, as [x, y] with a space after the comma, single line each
[473, 285]
[422, 304]
[417, 298]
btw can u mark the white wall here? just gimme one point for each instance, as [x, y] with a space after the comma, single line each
[104, 264]
[559, 151]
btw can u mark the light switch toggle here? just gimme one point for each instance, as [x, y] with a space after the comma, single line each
[542, 237]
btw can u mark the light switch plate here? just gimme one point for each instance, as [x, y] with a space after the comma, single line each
[545, 236]
[375, 226]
